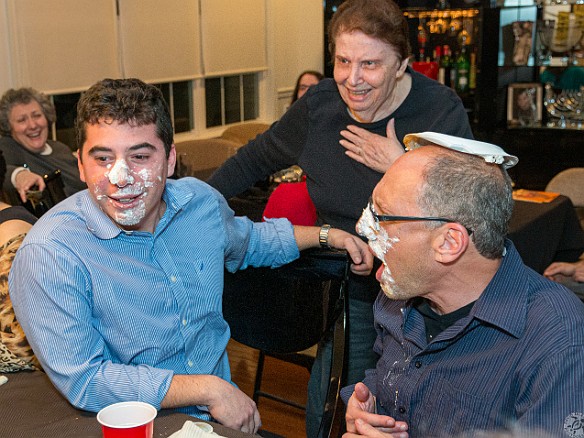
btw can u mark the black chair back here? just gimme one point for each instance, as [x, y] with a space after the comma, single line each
[291, 308]
[287, 309]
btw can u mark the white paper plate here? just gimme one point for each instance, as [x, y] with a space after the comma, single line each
[202, 423]
[490, 152]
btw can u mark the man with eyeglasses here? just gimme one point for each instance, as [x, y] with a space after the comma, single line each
[470, 338]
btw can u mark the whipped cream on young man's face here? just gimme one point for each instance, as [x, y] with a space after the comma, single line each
[125, 168]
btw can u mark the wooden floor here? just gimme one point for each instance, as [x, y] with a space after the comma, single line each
[282, 378]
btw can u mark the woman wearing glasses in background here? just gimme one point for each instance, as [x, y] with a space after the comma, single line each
[306, 80]
[345, 133]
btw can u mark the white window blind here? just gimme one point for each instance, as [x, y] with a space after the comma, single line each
[160, 40]
[233, 43]
[296, 26]
[5, 72]
[63, 45]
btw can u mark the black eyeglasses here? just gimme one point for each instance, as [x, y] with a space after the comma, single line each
[384, 218]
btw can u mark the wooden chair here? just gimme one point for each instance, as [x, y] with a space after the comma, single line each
[200, 158]
[289, 309]
[243, 133]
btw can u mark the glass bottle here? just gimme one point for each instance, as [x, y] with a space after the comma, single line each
[442, 5]
[462, 71]
[438, 60]
[445, 66]
[464, 36]
[422, 39]
[472, 75]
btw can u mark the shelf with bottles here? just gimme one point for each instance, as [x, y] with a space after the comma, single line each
[436, 28]
[445, 45]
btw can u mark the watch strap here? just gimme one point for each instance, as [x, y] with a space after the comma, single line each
[323, 236]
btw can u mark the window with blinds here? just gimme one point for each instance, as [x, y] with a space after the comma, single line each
[62, 47]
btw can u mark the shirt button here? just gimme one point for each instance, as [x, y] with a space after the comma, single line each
[173, 278]
[184, 321]
[418, 364]
[402, 410]
[190, 363]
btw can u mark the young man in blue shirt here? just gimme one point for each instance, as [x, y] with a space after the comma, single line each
[119, 287]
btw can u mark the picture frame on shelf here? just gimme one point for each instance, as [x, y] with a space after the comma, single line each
[524, 104]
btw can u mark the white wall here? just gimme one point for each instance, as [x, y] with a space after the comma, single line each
[297, 30]
[5, 75]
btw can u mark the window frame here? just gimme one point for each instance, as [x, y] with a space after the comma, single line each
[197, 109]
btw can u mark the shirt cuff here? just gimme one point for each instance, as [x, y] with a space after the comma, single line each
[16, 172]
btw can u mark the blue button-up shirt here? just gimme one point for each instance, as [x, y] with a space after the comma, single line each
[112, 315]
[517, 360]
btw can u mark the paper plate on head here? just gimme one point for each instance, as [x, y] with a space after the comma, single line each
[490, 152]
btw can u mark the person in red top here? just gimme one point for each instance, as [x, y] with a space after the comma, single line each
[292, 201]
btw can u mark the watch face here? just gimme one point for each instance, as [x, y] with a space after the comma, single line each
[574, 425]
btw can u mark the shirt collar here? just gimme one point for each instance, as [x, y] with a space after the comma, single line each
[47, 150]
[504, 301]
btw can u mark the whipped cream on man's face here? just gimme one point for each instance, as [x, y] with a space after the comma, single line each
[132, 189]
[120, 173]
[125, 168]
[380, 243]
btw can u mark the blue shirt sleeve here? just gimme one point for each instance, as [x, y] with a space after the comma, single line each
[54, 303]
[553, 391]
[269, 243]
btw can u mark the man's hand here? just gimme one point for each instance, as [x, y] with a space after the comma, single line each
[232, 408]
[25, 181]
[364, 429]
[308, 237]
[372, 150]
[226, 403]
[574, 271]
[358, 250]
[363, 421]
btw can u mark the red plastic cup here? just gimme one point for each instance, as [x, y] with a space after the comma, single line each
[127, 420]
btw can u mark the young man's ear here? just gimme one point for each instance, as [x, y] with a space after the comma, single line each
[171, 161]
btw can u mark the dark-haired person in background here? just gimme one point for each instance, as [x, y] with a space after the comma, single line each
[306, 80]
